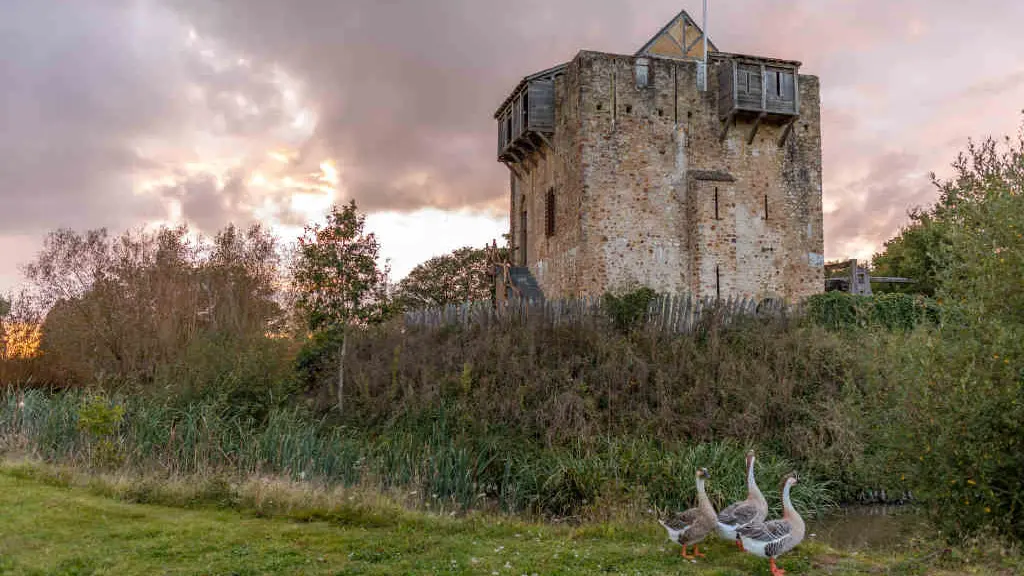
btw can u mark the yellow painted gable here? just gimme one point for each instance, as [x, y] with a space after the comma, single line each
[674, 38]
[676, 30]
[693, 37]
[666, 46]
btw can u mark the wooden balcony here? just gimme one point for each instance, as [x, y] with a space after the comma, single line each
[758, 86]
[762, 89]
[527, 117]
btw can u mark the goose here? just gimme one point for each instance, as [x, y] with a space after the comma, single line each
[692, 526]
[773, 539]
[750, 511]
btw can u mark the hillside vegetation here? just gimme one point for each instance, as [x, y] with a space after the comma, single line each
[160, 355]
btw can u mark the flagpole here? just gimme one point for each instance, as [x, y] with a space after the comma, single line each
[704, 79]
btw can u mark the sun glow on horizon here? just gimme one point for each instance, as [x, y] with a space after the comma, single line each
[278, 175]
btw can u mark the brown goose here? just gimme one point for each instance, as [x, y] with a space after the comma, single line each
[692, 526]
[773, 539]
[750, 511]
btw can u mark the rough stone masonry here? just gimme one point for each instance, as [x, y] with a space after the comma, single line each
[625, 174]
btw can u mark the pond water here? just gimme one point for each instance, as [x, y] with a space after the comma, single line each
[859, 527]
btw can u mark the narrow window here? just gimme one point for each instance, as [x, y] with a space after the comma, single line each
[716, 204]
[549, 213]
[525, 239]
[765, 206]
[641, 73]
[718, 284]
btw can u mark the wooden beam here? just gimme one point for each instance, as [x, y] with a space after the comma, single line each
[735, 85]
[536, 141]
[726, 125]
[796, 90]
[891, 279]
[511, 152]
[527, 142]
[787, 130]
[694, 43]
[513, 168]
[529, 160]
[764, 89]
[522, 155]
[545, 140]
[677, 42]
[753, 129]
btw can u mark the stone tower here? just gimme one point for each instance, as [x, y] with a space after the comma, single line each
[625, 173]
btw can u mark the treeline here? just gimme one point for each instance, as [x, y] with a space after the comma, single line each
[171, 310]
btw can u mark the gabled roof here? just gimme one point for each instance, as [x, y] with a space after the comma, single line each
[680, 38]
[753, 58]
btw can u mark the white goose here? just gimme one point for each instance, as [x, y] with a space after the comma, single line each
[750, 511]
[773, 539]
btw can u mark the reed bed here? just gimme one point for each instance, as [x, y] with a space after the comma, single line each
[427, 460]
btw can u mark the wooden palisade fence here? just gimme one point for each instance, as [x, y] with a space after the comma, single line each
[665, 313]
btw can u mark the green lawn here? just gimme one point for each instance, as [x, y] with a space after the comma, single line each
[47, 529]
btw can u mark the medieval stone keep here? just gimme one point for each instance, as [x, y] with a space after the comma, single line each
[626, 173]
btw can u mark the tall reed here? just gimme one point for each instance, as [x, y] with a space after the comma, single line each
[427, 457]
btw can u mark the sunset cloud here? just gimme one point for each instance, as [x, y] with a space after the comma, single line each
[123, 112]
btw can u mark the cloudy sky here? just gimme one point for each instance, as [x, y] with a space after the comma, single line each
[122, 113]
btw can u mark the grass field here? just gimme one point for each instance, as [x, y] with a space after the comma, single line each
[71, 530]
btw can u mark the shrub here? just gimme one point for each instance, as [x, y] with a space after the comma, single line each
[953, 408]
[844, 311]
[249, 376]
[768, 381]
[100, 420]
[628, 310]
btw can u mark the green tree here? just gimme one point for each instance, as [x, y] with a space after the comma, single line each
[459, 276]
[915, 253]
[958, 392]
[138, 305]
[983, 206]
[338, 282]
[976, 205]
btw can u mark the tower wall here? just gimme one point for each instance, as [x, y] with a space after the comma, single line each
[636, 171]
[555, 260]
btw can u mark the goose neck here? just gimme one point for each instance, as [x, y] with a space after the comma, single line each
[753, 492]
[788, 511]
[702, 497]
